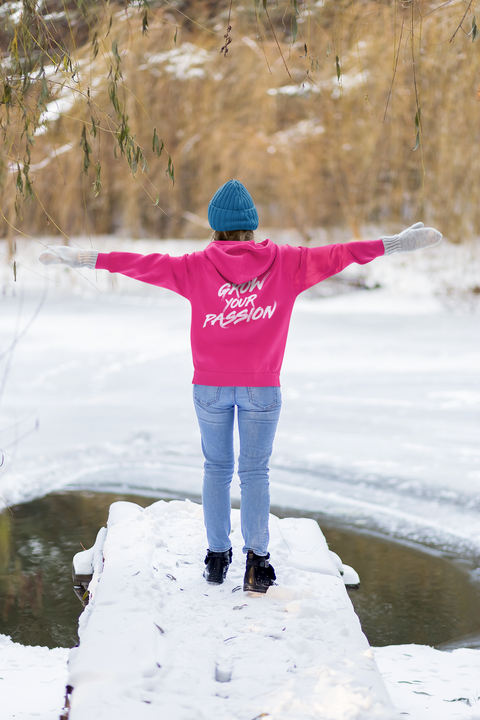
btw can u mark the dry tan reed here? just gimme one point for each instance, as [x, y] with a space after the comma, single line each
[313, 148]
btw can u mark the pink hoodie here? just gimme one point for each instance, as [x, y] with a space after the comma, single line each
[242, 295]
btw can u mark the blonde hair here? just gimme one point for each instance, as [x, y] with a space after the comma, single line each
[241, 235]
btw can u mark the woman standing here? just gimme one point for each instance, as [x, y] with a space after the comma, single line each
[242, 295]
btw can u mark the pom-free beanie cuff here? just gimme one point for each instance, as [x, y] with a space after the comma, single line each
[232, 208]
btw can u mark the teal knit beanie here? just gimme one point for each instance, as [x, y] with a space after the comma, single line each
[232, 208]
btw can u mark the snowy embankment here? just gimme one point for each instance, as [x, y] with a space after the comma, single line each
[379, 425]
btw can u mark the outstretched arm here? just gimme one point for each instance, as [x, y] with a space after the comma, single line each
[174, 273]
[317, 264]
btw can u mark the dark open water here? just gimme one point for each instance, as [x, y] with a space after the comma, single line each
[406, 595]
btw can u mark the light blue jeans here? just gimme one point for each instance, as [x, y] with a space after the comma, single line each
[258, 413]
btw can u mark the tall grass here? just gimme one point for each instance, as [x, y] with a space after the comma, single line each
[328, 143]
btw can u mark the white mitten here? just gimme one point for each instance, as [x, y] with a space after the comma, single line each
[63, 255]
[413, 238]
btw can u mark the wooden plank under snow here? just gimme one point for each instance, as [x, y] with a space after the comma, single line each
[156, 641]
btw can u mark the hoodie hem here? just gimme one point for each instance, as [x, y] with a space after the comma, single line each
[236, 379]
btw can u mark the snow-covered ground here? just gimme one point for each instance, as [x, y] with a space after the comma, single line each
[380, 424]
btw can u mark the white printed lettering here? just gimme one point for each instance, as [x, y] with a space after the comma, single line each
[218, 318]
[249, 317]
[269, 310]
[224, 289]
[242, 315]
[229, 319]
[239, 302]
[208, 319]
[249, 312]
[258, 283]
[229, 288]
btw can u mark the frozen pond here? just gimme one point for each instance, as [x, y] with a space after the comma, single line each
[406, 596]
[379, 427]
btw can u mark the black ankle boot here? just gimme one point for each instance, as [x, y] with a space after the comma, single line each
[259, 574]
[217, 566]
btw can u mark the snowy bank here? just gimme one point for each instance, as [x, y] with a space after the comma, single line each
[32, 681]
[427, 684]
